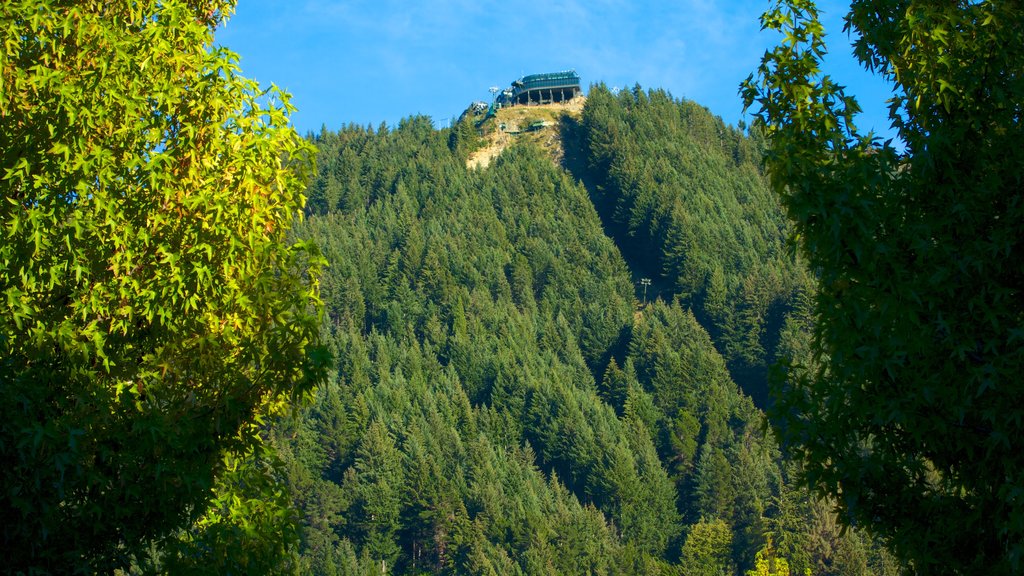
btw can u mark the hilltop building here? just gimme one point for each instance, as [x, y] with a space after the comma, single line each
[541, 89]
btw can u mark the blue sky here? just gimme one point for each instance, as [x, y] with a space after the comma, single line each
[373, 61]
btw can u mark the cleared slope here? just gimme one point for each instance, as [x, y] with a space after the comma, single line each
[513, 124]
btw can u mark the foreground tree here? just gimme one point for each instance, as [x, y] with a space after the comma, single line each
[913, 417]
[154, 314]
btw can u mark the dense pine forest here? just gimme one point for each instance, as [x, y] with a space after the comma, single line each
[505, 401]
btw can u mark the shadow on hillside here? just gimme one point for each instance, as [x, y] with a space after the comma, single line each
[644, 263]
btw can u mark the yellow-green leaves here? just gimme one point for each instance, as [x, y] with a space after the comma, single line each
[152, 300]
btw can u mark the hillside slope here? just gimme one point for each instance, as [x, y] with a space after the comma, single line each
[538, 125]
[502, 403]
[684, 198]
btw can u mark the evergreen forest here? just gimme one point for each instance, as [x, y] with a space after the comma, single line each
[507, 399]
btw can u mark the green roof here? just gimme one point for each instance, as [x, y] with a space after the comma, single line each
[570, 76]
[550, 80]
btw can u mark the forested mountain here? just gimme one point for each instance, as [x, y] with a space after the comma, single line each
[543, 338]
[504, 403]
[684, 196]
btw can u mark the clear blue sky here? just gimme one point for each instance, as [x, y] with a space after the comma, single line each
[373, 61]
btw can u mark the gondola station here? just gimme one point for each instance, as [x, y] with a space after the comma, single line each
[549, 88]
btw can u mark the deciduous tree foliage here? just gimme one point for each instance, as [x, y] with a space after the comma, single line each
[913, 418]
[153, 312]
[707, 549]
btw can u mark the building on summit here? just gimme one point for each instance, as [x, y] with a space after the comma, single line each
[541, 89]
